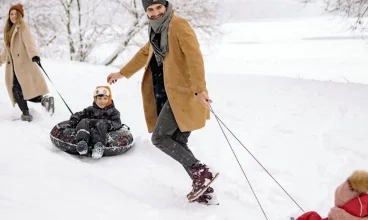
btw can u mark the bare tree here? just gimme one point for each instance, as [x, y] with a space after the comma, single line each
[46, 23]
[74, 26]
[84, 26]
[356, 9]
[92, 29]
[133, 22]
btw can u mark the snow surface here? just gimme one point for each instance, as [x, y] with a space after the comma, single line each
[293, 91]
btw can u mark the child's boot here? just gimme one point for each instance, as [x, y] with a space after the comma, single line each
[98, 150]
[82, 147]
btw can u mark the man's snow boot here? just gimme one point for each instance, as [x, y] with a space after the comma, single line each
[208, 197]
[202, 177]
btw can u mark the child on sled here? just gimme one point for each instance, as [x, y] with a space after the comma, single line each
[94, 122]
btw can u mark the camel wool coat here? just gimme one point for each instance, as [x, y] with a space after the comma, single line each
[19, 55]
[184, 76]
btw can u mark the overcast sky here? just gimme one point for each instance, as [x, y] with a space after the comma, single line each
[268, 9]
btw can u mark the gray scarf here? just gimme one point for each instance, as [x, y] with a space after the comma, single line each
[160, 26]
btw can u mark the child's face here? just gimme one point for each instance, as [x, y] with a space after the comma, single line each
[101, 101]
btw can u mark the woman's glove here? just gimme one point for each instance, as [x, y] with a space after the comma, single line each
[36, 59]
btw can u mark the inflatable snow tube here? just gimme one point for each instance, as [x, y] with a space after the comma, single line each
[118, 142]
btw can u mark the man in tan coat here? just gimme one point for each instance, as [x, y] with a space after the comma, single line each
[174, 90]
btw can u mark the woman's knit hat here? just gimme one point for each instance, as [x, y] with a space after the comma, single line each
[147, 3]
[17, 7]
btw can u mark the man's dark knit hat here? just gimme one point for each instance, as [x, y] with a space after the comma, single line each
[147, 3]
